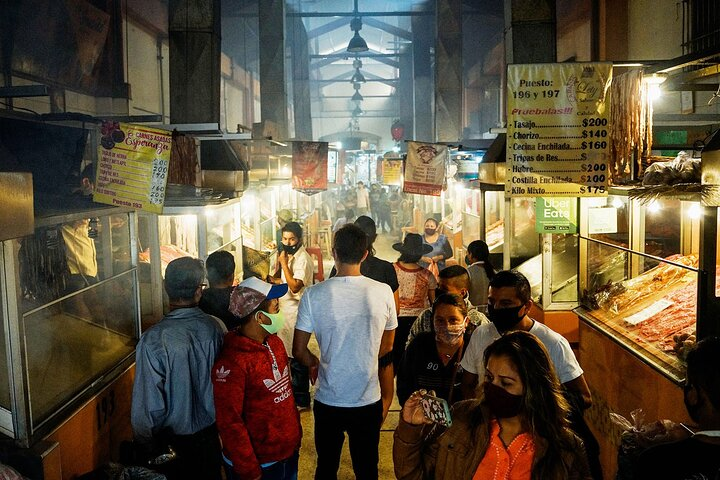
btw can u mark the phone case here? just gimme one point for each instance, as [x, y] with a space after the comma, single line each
[436, 409]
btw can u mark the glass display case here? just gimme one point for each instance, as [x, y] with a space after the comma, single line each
[71, 316]
[643, 263]
[549, 261]
[484, 218]
[195, 231]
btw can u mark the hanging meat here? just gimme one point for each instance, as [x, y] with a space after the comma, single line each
[630, 123]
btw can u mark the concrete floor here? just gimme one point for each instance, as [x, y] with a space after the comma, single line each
[383, 248]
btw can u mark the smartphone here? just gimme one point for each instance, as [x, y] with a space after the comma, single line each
[436, 409]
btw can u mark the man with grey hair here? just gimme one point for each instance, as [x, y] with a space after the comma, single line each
[172, 400]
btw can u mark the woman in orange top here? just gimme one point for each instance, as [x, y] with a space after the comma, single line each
[517, 430]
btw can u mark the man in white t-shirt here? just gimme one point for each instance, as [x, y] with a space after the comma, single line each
[509, 304]
[294, 267]
[362, 204]
[354, 320]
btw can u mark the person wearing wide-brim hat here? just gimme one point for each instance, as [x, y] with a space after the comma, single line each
[417, 289]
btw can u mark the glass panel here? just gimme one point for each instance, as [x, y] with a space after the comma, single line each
[471, 228]
[4, 379]
[646, 312]
[495, 222]
[526, 242]
[621, 209]
[144, 269]
[662, 227]
[178, 237]
[71, 343]
[61, 259]
[222, 226]
[564, 268]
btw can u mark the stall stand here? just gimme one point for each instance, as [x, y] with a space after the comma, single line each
[648, 279]
[69, 340]
[483, 218]
[548, 260]
[194, 226]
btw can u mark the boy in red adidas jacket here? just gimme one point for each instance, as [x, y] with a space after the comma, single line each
[254, 406]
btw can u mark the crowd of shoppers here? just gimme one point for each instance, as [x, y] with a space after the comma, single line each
[220, 380]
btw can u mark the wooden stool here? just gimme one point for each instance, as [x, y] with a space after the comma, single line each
[324, 234]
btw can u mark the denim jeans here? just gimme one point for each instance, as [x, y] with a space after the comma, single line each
[283, 470]
[362, 425]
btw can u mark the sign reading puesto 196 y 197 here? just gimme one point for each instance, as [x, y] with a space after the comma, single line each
[558, 132]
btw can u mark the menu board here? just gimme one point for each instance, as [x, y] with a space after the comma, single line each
[132, 166]
[558, 134]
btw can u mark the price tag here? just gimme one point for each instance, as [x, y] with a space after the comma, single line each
[558, 130]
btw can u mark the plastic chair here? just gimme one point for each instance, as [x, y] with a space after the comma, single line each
[316, 253]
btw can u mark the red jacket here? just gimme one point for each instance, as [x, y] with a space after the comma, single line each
[254, 405]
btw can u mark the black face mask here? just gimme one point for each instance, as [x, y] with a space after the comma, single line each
[504, 319]
[500, 402]
[429, 231]
[290, 249]
[467, 261]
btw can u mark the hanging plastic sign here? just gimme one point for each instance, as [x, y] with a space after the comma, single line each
[425, 168]
[310, 167]
[558, 129]
[556, 215]
[392, 172]
[132, 166]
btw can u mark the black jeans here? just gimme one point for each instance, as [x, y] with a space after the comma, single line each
[300, 375]
[402, 332]
[362, 425]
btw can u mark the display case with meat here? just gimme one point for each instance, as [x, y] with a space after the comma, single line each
[495, 234]
[641, 283]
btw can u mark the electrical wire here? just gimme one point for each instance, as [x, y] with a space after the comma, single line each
[13, 107]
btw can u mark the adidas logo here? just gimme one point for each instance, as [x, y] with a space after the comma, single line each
[279, 383]
[221, 374]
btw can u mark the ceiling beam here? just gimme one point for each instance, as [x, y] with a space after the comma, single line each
[386, 27]
[388, 81]
[328, 27]
[360, 14]
[347, 55]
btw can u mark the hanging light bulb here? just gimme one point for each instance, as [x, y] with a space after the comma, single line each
[357, 77]
[357, 97]
[357, 43]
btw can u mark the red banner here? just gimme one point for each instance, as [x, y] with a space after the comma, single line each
[310, 167]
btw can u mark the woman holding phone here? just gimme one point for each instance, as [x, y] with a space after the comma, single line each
[432, 359]
[518, 429]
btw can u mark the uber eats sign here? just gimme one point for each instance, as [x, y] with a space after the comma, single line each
[556, 215]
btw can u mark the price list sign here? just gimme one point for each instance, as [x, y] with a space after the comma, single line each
[133, 166]
[558, 134]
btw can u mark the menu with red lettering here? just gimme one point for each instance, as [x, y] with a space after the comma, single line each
[132, 166]
[557, 129]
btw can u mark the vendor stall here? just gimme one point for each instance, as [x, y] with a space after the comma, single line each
[647, 277]
[198, 228]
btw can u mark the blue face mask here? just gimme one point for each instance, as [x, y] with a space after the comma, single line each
[277, 320]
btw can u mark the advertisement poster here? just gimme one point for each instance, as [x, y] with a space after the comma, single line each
[310, 167]
[556, 215]
[425, 168]
[392, 172]
[558, 129]
[132, 166]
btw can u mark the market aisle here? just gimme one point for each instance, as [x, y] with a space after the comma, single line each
[383, 247]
